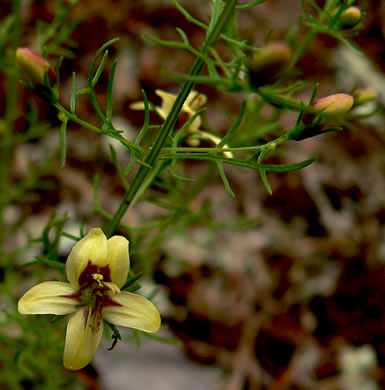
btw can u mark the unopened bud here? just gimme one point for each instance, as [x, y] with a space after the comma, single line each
[333, 105]
[38, 73]
[323, 112]
[34, 67]
[350, 17]
[364, 95]
[268, 63]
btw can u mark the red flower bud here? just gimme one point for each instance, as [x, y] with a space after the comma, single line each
[364, 95]
[333, 105]
[34, 67]
[268, 63]
[350, 17]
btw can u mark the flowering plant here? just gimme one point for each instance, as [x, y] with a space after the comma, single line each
[262, 95]
[96, 269]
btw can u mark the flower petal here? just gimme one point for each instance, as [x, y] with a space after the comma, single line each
[81, 341]
[196, 123]
[210, 137]
[118, 259]
[168, 100]
[196, 100]
[134, 311]
[93, 248]
[138, 106]
[48, 298]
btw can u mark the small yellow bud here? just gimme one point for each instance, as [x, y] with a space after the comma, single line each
[267, 64]
[364, 95]
[350, 17]
[333, 105]
[34, 67]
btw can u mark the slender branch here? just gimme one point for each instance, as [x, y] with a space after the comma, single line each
[171, 118]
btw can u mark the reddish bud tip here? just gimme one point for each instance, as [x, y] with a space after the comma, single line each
[364, 95]
[333, 105]
[33, 67]
[350, 17]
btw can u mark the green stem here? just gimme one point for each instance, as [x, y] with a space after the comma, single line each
[87, 125]
[171, 118]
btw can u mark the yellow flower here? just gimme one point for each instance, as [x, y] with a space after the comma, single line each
[96, 269]
[194, 102]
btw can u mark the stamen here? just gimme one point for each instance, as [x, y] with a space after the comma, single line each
[112, 287]
[98, 278]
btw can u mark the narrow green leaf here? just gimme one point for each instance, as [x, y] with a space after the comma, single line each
[100, 69]
[163, 42]
[132, 280]
[109, 92]
[57, 71]
[240, 163]
[266, 183]
[188, 17]
[115, 330]
[57, 318]
[133, 289]
[178, 177]
[224, 179]
[52, 263]
[118, 168]
[235, 126]
[251, 4]
[130, 165]
[73, 94]
[63, 143]
[98, 53]
[144, 129]
[83, 91]
[162, 339]
[115, 337]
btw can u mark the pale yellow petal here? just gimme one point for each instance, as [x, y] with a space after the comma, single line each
[134, 311]
[91, 248]
[81, 341]
[118, 259]
[191, 97]
[194, 126]
[196, 100]
[209, 137]
[168, 100]
[49, 298]
[163, 114]
[137, 106]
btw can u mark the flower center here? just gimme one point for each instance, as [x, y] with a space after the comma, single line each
[95, 289]
[98, 278]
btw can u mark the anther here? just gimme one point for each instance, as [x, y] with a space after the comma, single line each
[98, 278]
